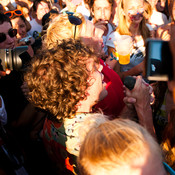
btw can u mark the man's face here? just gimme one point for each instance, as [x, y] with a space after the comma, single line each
[102, 10]
[9, 42]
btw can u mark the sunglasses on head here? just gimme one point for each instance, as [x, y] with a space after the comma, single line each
[74, 20]
[12, 33]
[14, 12]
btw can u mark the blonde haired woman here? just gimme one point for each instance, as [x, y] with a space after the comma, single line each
[133, 23]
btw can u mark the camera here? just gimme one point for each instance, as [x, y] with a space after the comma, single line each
[26, 40]
[159, 60]
[10, 58]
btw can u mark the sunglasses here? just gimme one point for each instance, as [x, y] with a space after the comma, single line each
[74, 20]
[12, 33]
[14, 12]
[138, 12]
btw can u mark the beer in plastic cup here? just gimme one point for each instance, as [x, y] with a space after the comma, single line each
[124, 47]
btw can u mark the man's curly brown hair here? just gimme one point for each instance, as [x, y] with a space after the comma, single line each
[57, 78]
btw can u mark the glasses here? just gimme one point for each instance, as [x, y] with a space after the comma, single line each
[74, 20]
[12, 33]
[136, 12]
[11, 13]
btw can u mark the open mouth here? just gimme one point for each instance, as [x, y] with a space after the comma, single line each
[136, 17]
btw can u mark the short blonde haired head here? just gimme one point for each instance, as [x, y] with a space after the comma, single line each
[115, 144]
[60, 28]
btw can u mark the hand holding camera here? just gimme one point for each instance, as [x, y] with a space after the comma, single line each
[26, 41]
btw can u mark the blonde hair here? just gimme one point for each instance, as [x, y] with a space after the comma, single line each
[123, 29]
[60, 28]
[91, 121]
[114, 144]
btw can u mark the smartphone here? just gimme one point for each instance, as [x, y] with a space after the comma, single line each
[159, 60]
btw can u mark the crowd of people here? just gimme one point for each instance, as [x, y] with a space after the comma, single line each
[62, 93]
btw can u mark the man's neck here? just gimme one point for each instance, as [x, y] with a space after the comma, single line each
[84, 107]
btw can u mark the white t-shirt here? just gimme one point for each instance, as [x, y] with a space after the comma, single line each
[105, 38]
[35, 29]
[157, 19]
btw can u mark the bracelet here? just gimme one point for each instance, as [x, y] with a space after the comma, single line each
[114, 56]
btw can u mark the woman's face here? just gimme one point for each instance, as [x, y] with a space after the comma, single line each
[20, 25]
[133, 10]
[160, 6]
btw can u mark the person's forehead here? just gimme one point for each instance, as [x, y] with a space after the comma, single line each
[4, 27]
[133, 3]
[101, 3]
[42, 4]
[17, 20]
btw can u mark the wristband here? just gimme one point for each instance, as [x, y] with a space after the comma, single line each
[114, 56]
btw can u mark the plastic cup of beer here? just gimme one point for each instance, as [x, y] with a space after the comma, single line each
[124, 46]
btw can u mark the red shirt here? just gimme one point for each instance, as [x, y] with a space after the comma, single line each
[113, 103]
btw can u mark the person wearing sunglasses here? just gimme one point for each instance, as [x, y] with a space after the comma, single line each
[10, 88]
[7, 34]
[133, 23]
[22, 26]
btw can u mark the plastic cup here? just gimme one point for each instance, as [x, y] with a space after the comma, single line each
[124, 45]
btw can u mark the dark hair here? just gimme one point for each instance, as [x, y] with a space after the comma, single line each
[46, 17]
[36, 2]
[91, 3]
[4, 18]
[28, 26]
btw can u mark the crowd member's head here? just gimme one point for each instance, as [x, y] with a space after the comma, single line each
[160, 6]
[40, 8]
[2, 9]
[131, 15]
[171, 8]
[147, 10]
[21, 24]
[120, 146]
[101, 9]
[65, 78]
[72, 4]
[62, 28]
[7, 33]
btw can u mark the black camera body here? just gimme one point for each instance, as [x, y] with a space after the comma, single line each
[159, 60]
[10, 58]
